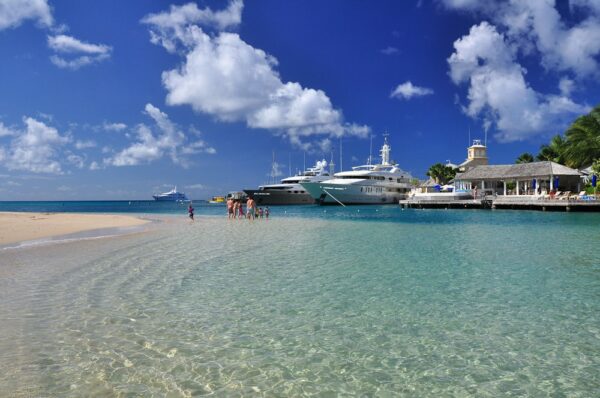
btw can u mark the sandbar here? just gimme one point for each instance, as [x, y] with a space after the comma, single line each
[19, 227]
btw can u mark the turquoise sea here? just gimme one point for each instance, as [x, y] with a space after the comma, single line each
[358, 301]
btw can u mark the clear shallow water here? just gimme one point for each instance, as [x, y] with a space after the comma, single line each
[368, 301]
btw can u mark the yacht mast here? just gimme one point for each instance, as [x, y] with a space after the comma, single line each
[331, 165]
[370, 150]
[272, 180]
[341, 164]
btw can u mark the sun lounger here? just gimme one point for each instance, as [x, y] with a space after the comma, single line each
[579, 196]
[565, 195]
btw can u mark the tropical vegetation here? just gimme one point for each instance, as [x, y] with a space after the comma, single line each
[580, 145]
[441, 173]
[554, 151]
[525, 158]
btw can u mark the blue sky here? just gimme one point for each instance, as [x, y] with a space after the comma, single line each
[119, 100]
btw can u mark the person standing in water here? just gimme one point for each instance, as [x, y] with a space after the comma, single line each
[240, 210]
[267, 212]
[191, 212]
[230, 208]
[250, 210]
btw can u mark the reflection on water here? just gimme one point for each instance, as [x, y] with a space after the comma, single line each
[435, 303]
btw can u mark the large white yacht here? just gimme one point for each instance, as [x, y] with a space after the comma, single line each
[171, 196]
[369, 184]
[289, 191]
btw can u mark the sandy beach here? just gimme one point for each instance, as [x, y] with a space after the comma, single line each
[17, 227]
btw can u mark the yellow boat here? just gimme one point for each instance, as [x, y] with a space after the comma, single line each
[217, 199]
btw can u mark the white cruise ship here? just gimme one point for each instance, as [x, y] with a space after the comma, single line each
[171, 196]
[369, 184]
[289, 191]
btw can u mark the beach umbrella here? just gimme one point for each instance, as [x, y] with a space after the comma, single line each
[437, 188]
[594, 178]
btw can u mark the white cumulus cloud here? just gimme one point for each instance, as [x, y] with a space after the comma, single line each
[195, 186]
[70, 52]
[389, 50]
[564, 46]
[170, 27]
[114, 126]
[5, 131]
[76, 53]
[69, 45]
[14, 12]
[224, 76]
[498, 91]
[153, 143]
[35, 149]
[407, 91]
[84, 144]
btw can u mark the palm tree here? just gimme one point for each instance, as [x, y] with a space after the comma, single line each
[524, 158]
[583, 140]
[441, 173]
[554, 151]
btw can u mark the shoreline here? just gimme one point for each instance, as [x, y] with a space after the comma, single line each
[16, 227]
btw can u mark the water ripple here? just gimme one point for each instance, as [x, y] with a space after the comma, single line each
[307, 306]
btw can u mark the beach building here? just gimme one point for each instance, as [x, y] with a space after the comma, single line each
[476, 156]
[537, 178]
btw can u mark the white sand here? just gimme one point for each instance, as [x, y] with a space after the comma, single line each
[17, 227]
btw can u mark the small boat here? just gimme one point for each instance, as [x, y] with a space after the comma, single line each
[171, 196]
[217, 200]
[442, 196]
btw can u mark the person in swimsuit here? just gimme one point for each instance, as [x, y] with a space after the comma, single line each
[230, 208]
[250, 209]
[191, 212]
[267, 212]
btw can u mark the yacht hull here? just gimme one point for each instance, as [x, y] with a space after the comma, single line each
[170, 199]
[268, 198]
[333, 194]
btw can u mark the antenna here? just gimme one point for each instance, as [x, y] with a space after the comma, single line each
[341, 167]
[485, 140]
[371, 150]
[304, 161]
[289, 163]
[273, 169]
[331, 164]
[469, 143]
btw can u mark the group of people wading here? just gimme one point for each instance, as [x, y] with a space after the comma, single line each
[235, 209]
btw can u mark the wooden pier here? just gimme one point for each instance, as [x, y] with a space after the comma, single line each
[506, 202]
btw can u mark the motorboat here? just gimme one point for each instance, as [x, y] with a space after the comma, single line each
[289, 191]
[217, 200]
[171, 196]
[383, 183]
